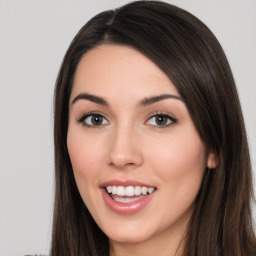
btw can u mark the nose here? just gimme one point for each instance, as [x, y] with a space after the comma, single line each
[124, 148]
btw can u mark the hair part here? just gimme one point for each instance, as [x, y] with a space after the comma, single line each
[187, 51]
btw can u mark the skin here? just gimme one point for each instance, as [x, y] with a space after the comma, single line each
[130, 145]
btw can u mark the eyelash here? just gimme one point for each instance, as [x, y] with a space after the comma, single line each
[82, 119]
[170, 119]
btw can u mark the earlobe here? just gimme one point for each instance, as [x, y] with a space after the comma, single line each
[212, 160]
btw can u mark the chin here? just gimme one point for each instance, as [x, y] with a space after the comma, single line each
[136, 235]
[128, 238]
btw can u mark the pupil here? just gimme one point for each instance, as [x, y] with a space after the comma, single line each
[161, 120]
[96, 120]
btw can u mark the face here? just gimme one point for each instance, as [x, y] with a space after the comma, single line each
[137, 158]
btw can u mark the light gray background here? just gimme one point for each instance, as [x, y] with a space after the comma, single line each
[34, 36]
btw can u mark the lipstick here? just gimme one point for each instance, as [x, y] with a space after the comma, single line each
[127, 197]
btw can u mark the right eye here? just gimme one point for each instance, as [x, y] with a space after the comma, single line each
[93, 120]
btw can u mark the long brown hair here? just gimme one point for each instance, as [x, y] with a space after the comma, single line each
[187, 51]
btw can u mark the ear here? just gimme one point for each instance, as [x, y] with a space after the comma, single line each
[212, 160]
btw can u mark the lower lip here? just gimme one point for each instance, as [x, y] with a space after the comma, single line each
[126, 208]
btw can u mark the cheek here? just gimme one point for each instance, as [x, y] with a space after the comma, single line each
[78, 153]
[181, 157]
[84, 153]
[86, 157]
[179, 163]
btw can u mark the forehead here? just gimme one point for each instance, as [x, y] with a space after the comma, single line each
[116, 69]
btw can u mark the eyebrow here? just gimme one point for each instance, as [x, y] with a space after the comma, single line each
[144, 102]
[90, 97]
[154, 99]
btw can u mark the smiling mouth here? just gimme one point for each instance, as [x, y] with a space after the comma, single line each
[128, 194]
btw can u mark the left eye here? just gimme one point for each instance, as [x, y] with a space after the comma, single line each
[91, 120]
[160, 120]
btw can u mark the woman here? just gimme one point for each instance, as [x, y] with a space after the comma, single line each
[151, 154]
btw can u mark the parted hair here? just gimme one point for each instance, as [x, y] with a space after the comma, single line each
[190, 55]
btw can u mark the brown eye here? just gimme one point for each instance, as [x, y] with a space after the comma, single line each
[93, 120]
[161, 120]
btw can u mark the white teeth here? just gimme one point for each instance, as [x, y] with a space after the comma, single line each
[109, 189]
[150, 190]
[129, 190]
[137, 191]
[144, 190]
[120, 191]
[114, 190]
[126, 200]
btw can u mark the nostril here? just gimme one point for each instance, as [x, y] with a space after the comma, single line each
[124, 151]
[121, 163]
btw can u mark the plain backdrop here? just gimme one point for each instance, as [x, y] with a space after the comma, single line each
[34, 36]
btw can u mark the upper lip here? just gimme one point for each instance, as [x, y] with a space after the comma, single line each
[125, 183]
